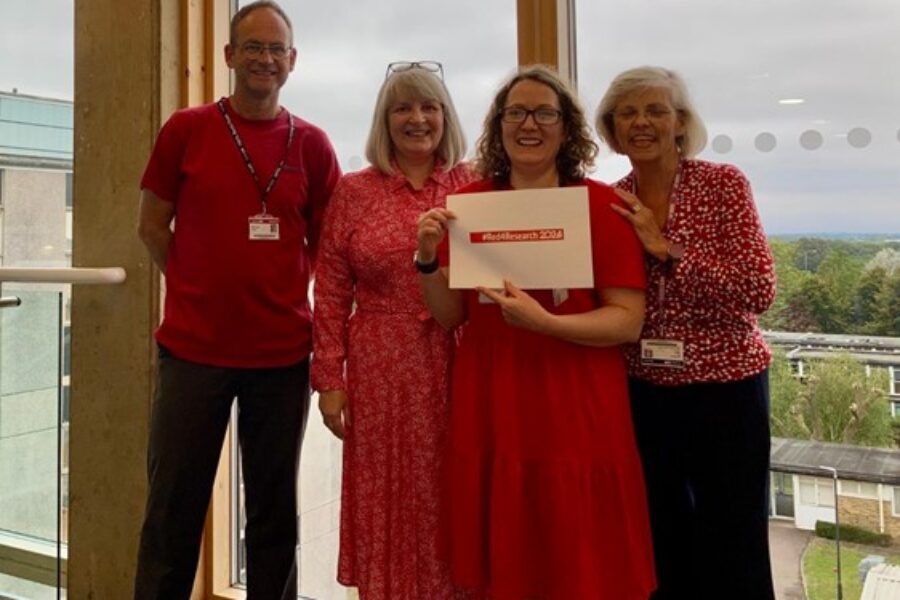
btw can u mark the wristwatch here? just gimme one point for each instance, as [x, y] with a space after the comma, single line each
[425, 268]
[674, 251]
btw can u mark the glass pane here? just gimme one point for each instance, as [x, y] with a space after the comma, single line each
[807, 492]
[802, 97]
[36, 132]
[32, 503]
[868, 490]
[807, 139]
[334, 86]
[826, 493]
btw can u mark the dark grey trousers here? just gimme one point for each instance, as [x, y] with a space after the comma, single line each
[189, 418]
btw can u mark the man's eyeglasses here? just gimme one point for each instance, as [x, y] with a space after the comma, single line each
[543, 115]
[432, 66]
[256, 50]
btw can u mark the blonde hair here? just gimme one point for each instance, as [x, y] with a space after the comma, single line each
[417, 84]
[689, 143]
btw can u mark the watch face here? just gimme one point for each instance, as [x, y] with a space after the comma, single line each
[675, 250]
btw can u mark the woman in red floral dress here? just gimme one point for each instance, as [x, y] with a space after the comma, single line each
[380, 360]
[544, 496]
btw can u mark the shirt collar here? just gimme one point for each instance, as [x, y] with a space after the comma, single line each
[438, 176]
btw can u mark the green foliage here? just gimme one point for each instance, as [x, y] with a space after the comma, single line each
[785, 419]
[886, 314]
[866, 302]
[837, 402]
[836, 286]
[852, 533]
[790, 278]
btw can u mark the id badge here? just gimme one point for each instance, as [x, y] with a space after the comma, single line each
[264, 227]
[560, 296]
[662, 353]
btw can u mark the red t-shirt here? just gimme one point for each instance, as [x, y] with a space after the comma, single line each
[230, 301]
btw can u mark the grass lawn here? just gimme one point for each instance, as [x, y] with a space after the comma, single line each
[819, 568]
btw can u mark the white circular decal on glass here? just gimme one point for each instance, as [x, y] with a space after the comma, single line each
[765, 142]
[859, 137]
[722, 144]
[811, 139]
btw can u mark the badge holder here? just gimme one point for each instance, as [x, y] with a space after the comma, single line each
[264, 227]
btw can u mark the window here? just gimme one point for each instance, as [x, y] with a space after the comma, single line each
[895, 503]
[816, 492]
[858, 489]
[335, 86]
[895, 381]
[2, 191]
[773, 108]
[797, 368]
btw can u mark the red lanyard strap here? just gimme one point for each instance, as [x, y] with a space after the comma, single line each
[263, 193]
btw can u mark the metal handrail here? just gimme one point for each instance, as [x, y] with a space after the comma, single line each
[96, 276]
[10, 301]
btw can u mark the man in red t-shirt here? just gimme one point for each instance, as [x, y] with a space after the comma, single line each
[246, 184]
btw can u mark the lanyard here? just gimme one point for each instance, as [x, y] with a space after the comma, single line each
[661, 291]
[263, 193]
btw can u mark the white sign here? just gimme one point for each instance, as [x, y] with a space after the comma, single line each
[536, 239]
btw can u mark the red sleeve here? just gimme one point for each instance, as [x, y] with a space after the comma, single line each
[333, 291]
[323, 172]
[615, 249]
[741, 272]
[162, 175]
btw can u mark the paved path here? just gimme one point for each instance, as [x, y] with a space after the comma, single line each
[786, 544]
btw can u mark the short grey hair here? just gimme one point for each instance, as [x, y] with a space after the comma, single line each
[414, 84]
[689, 143]
[249, 8]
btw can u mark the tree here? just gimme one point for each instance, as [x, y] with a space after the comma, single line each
[810, 252]
[840, 274]
[886, 315]
[887, 259]
[840, 403]
[789, 278]
[811, 308]
[865, 303]
[785, 388]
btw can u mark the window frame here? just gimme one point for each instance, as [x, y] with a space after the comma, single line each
[545, 34]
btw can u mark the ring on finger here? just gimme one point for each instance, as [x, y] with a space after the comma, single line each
[636, 208]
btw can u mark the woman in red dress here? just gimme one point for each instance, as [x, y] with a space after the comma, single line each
[380, 362]
[544, 496]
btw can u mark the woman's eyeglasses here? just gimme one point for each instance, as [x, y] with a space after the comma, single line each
[544, 115]
[432, 66]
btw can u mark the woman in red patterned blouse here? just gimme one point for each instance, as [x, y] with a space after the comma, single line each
[698, 376]
[380, 361]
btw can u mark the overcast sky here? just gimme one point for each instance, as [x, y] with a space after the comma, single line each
[739, 58]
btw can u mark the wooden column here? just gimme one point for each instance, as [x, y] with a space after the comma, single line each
[127, 81]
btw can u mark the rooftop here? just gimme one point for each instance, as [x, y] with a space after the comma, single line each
[857, 463]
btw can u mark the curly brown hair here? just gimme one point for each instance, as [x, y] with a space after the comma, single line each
[578, 150]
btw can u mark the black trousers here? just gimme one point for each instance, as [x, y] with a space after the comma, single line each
[189, 418]
[705, 452]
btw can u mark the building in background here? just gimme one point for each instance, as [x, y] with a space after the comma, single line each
[35, 231]
[871, 351]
